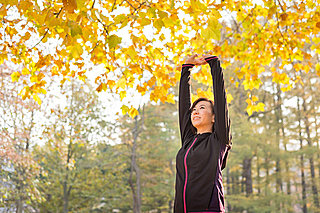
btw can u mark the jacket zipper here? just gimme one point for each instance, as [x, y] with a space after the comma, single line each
[186, 177]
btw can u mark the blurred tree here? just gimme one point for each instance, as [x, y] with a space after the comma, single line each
[69, 170]
[152, 142]
[17, 125]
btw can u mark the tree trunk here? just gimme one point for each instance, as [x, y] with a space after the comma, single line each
[311, 161]
[19, 203]
[317, 139]
[277, 103]
[65, 197]
[247, 175]
[303, 182]
[287, 176]
[258, 175]
[66, 184]
[267, 176]
[135, 170]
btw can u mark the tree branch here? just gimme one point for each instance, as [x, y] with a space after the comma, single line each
[47, 30]
[94, 1]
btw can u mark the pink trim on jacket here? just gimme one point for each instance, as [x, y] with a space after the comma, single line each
[186, 178]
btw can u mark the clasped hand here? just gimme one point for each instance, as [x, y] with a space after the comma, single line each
[196, 61]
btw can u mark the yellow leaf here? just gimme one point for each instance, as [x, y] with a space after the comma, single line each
[111, 83]
[70, 5]
[122, 95]
[76, 51]
[158, 24]
[25, 71]
[142, 89]
[101, 87]
[151, 12]
[124, 109]
[82, 78]
[170, 98]
[15, 76]
[144, 21]
[250, 109]
[318, 69]
[37, 99]
[286, 88]
[260, 107]
[59, 29]
[25, 92]
[3, 11]
[249, 101]
[255, 98]
[27, 36]
[229, 98]
[121, 83]
[133, 112]
[168, 22]
[213, 29]
[43, 91]
[33, 78]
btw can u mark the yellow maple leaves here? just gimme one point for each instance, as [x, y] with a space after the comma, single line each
[132, 112]
[70, 5]
[213, 29]
[252, 106]
[263, 38]
[15, 76]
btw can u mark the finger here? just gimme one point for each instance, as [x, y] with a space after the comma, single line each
[194, 56]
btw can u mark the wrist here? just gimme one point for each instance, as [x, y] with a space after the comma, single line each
[188, 65]
[210, 58]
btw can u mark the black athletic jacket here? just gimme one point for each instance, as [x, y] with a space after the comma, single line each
[202, 157]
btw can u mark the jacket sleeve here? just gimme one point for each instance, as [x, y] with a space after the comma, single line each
[222, 121]
[185, 103]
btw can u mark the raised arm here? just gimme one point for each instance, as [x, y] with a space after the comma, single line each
[222, 121]
[185, 102]
[185, 97]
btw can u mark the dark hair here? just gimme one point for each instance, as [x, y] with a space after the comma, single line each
[193, 129]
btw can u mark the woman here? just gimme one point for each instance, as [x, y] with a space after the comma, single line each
[205, 135]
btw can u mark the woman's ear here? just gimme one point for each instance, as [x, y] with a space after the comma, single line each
[213, 116]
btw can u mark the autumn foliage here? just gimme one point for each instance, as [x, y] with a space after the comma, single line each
[141, 44]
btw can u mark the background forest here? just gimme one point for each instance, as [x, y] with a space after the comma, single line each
[88, 110]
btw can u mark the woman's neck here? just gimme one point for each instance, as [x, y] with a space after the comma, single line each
[205, 130]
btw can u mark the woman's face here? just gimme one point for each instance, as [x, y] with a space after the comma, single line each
[202, 116]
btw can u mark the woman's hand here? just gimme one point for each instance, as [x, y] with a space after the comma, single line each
[194, 60]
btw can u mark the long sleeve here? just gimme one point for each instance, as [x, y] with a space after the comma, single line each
[222, 121]
[185, 103]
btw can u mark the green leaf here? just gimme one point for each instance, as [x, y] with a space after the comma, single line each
[75, 29]
[113, 41]
[152, 12]
[144, 21]
[158, 24]
[162, 14]
[119, 18]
